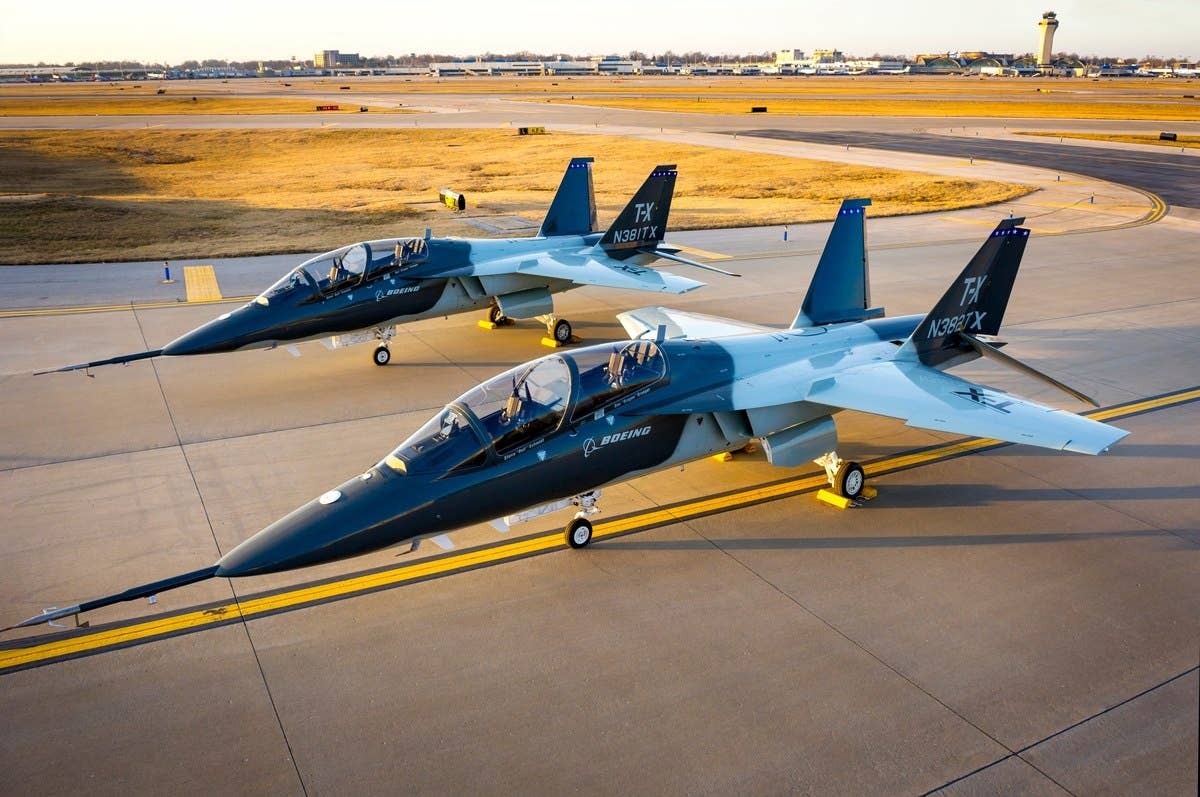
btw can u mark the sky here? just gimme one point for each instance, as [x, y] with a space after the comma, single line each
[171, 31]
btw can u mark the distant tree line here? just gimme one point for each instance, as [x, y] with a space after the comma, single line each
[667, 57]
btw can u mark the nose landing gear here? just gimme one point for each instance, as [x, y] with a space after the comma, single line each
[579, 530]
[383, 354]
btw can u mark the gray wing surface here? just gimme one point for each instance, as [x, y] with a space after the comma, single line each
[929, 399]
[588, 271]
[645, 321]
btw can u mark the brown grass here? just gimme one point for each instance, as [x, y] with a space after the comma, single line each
[78, 196]
[882, 87]
[166, 105]
[1190, 142]
[1035, 107]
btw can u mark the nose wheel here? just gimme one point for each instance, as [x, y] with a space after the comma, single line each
[579, 530]
[383, 354]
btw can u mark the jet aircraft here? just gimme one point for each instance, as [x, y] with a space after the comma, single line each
[551, 433]
[359, 293]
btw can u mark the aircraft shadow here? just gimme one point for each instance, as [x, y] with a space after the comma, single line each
[901, 541]
[902, 496]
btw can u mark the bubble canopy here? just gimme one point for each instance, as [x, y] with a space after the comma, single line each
[519, 408]
[345, 267]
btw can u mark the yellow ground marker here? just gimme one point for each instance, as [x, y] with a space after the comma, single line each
[201, 282]
[833, 499]
[691, 250]
[75, 644]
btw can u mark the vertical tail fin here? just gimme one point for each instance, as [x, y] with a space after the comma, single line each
[643, 222]
[841, 289]
[573, 211]
[974, 304]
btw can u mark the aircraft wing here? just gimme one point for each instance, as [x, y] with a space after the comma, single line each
[930, 399]
[588, 271]
[645, 321]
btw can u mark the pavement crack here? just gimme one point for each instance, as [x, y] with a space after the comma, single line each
[857, 644]
[1061, 731]
[217, 545]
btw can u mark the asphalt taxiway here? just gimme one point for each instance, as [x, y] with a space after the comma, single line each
[999, 619]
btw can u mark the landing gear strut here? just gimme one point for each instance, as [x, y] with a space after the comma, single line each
[497, 317]
[579, 530]
[846, 478]
[383, 354]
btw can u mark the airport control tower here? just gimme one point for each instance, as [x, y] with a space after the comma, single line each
[1047, 26]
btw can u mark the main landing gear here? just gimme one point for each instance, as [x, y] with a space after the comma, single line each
[846, 478]
[498, 318]
[383, 352]
[558, 330]
[579, 530]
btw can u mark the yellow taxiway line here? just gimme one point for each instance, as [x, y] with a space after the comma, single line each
[110, 308]
[87, 642]
[691, 250]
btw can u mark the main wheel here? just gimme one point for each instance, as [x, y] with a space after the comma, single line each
[579, 532]
[562, 330]
[496, 317]
[383, 355]
[850, 479]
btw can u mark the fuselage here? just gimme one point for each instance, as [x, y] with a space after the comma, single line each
[389, 286]
[468, 466]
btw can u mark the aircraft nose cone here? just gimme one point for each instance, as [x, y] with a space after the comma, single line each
[352, 519]
[215, 336]
[227, 332]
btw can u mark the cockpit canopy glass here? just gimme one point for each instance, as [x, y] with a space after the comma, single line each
[445, 443]
[346, 267]
[295, 284]
[523, 404]
[319, 273]
[410, 252]
[613, 375]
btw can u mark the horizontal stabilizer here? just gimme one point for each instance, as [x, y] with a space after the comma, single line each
[992, 353]
[670, 255]
[123, 359]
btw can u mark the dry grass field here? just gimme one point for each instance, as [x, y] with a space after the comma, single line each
[78, 196]
[1040, 106]
[1189, 142]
